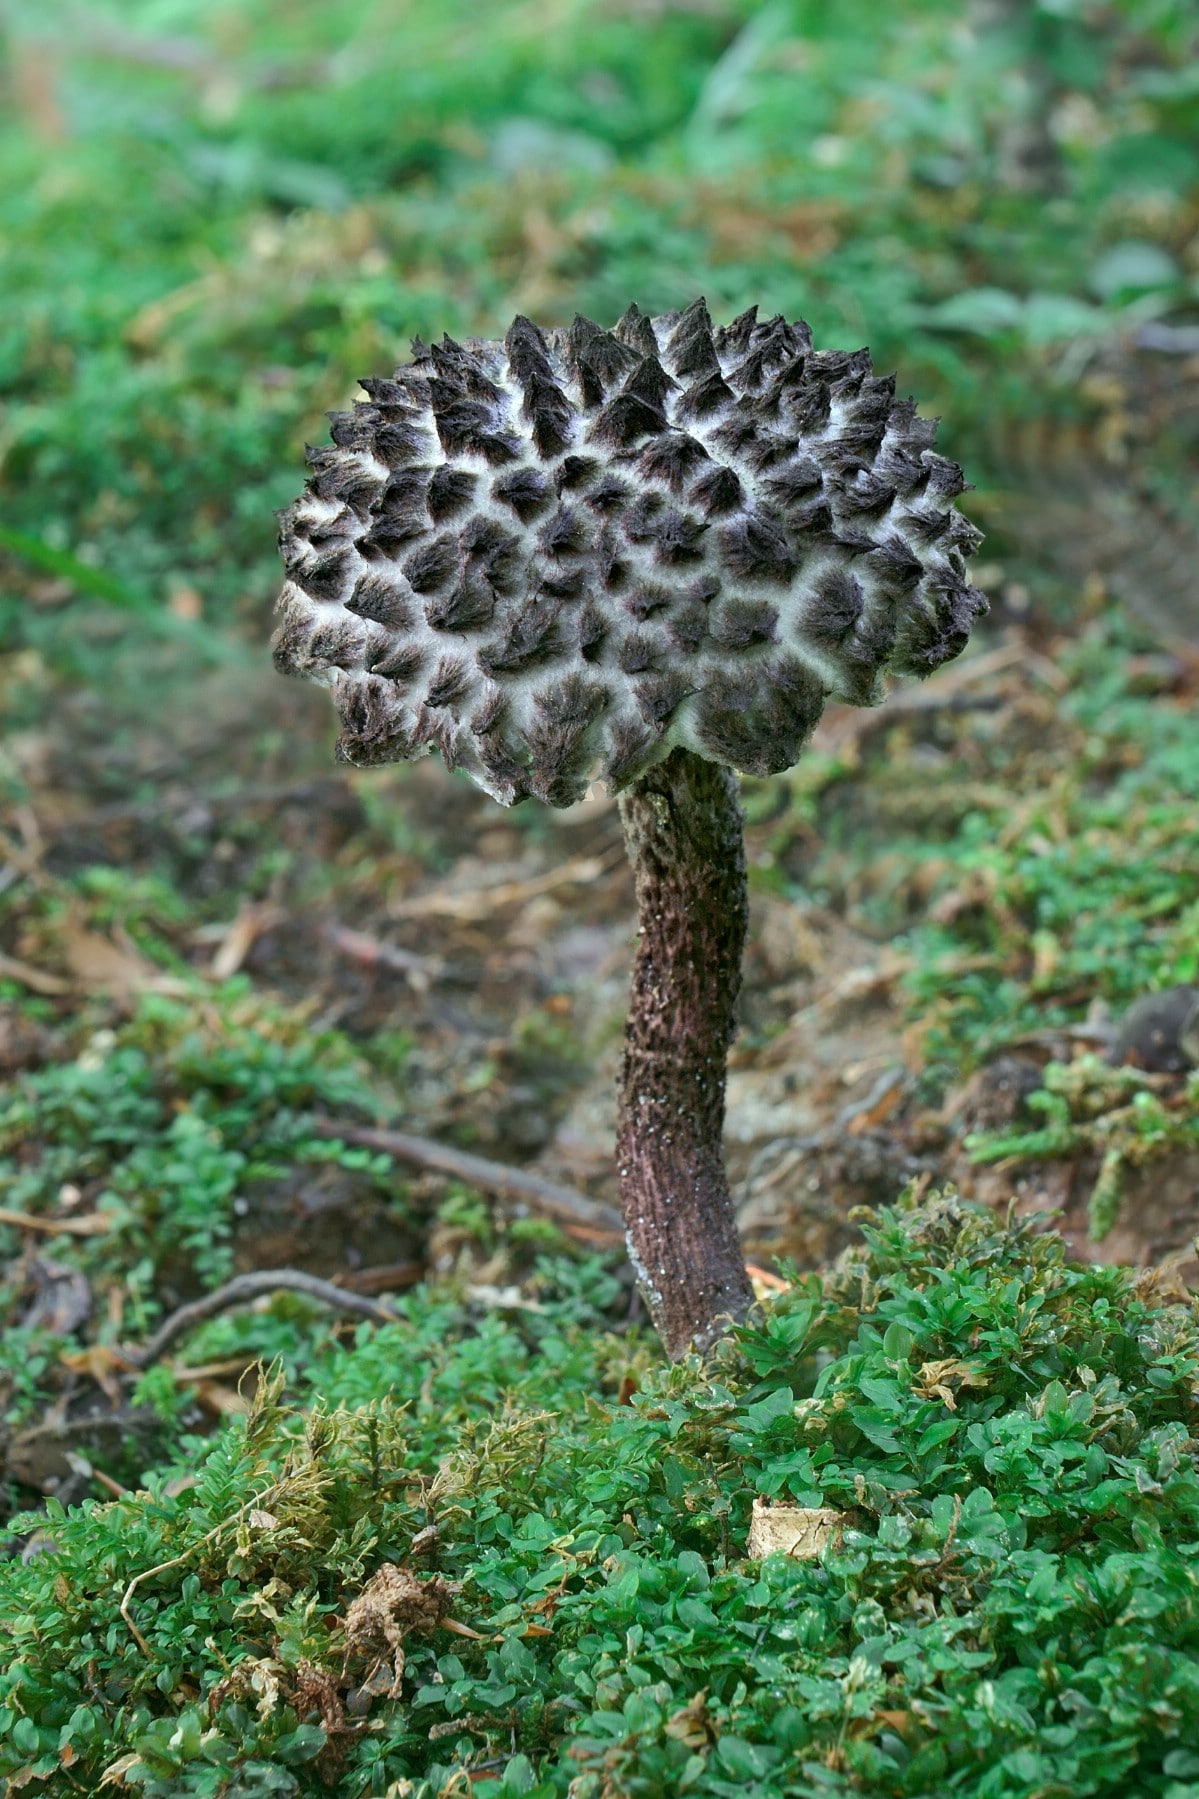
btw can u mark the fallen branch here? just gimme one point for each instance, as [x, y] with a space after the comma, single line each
[88, 1224]
[244, 1287]
[517, 1184]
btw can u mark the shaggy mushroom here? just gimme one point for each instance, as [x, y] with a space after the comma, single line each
[649, 555]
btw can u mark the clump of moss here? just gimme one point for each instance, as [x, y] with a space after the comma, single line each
[1122, 1118]
[1009, 1608]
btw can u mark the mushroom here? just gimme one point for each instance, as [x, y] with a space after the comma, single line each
[647, 555]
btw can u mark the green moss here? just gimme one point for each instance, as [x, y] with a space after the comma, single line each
[1009, 1610]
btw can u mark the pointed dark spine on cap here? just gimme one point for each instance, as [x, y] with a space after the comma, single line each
[710, 394]
[626, 420]
[733, 339]
[691, 350]
[635, 330]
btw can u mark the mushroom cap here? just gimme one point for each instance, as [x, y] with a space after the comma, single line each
[562, 556]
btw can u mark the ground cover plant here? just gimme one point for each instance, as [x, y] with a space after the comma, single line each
[212, 221]
[1009, 1607]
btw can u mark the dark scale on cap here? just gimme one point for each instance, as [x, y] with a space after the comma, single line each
[687, 625]
[768, 451]
[717, 491]
[526, 490]
[960, 535]
[575, 471]
[945, 478]
[608, 495]
[594, 623]
[291, 647]
[691, 350]
[489, 711]
[487, 544]
[705, 397]
[673, 457]
[549, 413]
[599, 361]
[468, 605]
[794, 483]
[451, 678]
[704, 588]
[732, 340]
[658, 696]
[742, 623]
[835, 607]
[358, 487]
[373, 724]
[865, 492]
[559, 580]
[568, 533]
[324, 578]
[895, 565]
[611, 561]
[564, 554]
[574, 700]
[383, 598]
[636, 330]
[387, 538]
[429, 567]
[735, 436]
[677, 538]
[450, 492]
[402, 661]
[647, 598]
[404, 498]
[532, 639]
[439, 731]
[393, 443]
[334, 530]
[354, 430]
[639, 651]
[642, 517]
[755, 548]
[627, 420]
[650, 382]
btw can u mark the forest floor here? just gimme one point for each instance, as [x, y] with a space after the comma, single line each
[211, 935]
[932, 928]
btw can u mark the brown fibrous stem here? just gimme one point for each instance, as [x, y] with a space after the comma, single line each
[684, 830]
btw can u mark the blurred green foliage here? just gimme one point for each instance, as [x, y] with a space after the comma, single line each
[214, 218]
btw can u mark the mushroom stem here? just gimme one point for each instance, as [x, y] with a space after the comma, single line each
[684, 829]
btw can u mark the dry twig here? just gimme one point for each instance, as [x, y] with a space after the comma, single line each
[519, 1184]
[244, 1287]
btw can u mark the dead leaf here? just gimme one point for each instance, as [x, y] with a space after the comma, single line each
[937, 1380]
[394, 1603]
[100, 1363]
[98, 961]
[799, 1530]
[693, 1723]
